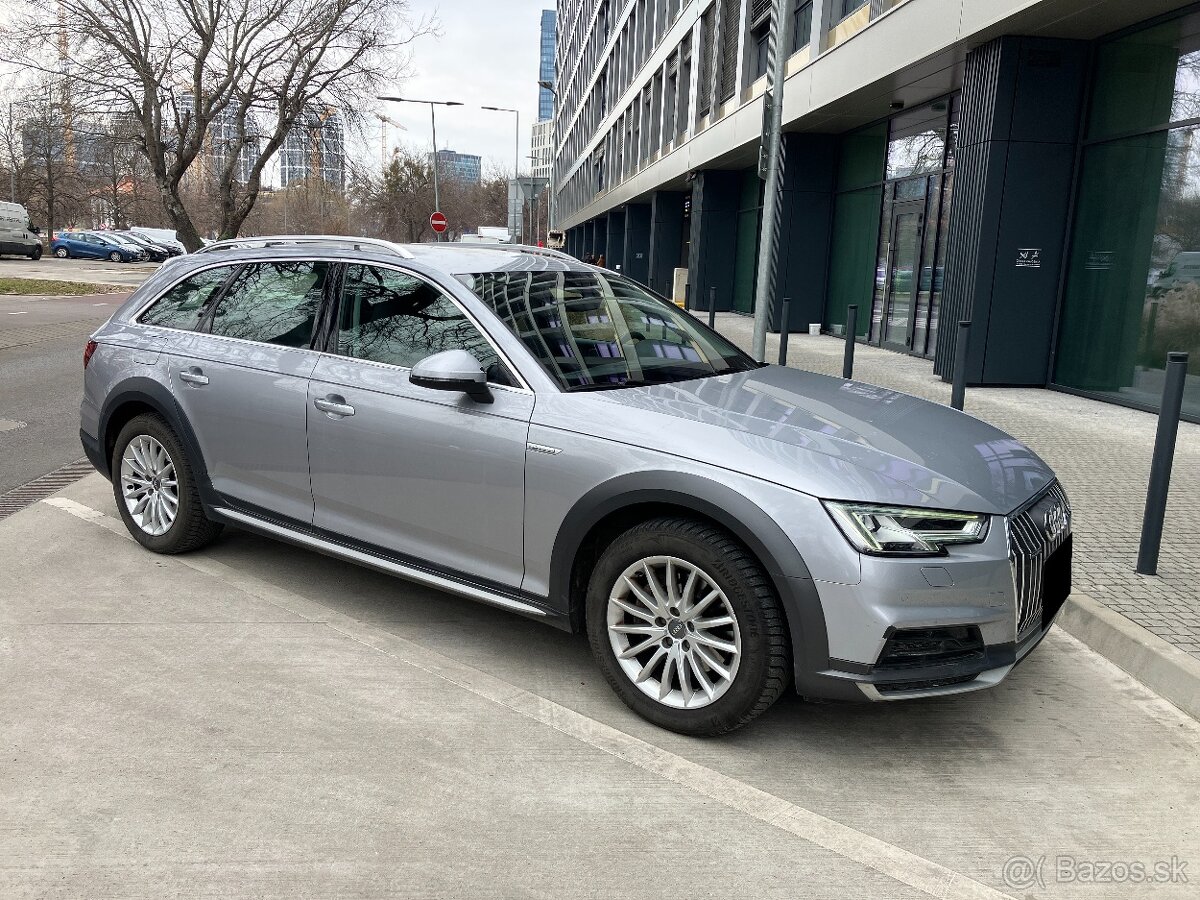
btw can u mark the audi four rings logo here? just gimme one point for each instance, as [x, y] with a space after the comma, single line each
[1055, 522]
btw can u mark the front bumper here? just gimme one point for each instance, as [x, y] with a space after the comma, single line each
[929, 627]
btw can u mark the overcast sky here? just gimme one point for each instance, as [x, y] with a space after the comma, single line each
[486, 54]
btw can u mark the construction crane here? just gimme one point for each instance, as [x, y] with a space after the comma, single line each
[385, 121]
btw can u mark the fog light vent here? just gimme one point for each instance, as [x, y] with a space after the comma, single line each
[922, 648]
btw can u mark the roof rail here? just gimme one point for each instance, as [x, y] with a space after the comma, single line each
[285, 240]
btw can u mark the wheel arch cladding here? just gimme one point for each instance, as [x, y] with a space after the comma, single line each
[616, 505]
[145, 395]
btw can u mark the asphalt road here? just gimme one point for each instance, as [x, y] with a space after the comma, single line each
[254, 720]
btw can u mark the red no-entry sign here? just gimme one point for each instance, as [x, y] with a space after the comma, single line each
[437, 222]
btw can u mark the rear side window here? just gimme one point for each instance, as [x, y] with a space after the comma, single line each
[182, 306]
[396, 318]
[273, 303]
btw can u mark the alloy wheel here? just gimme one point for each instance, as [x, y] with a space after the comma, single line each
[149, 485]
[674, 632]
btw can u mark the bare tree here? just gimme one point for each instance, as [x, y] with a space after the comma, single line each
[201, 77]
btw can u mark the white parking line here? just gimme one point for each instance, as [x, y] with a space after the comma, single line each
[99, 304]
[895, 862]
[23, 312]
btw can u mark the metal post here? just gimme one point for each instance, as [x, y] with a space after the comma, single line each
[437, 200]
[851, 335]
[1160, 467]
[687, 296]
[784, 322]
[712, 308]
[958, 389]
[772, 197]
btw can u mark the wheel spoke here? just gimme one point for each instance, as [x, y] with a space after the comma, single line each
[140, 507]
[655, 588]
[701, 678]
[716, 622]
[648, 668]
[672, 588]
[634, 649]
[689, 593]
[664, 686]
[640, 595]
[631, 609]
[714, 665]
[709, 641]
[704, 603]
[637, 629]
[685, 688]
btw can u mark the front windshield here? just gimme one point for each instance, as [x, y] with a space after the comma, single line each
[595, 330]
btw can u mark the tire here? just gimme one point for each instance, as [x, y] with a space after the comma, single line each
[189, 529]
[62, 253]
[115, 256]
[37, 253]
[758, 671]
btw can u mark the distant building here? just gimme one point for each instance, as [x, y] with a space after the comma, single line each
[463, 167]
[222, 134]
[546, 67]
[315, 147]
[541, 147]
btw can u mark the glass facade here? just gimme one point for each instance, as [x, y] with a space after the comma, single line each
[891, 215]
[1133, 279]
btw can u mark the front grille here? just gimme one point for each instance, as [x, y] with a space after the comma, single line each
[1034, 534]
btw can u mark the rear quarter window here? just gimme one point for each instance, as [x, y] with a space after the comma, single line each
[183, 305]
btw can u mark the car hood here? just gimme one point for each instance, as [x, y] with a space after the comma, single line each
[827, 437]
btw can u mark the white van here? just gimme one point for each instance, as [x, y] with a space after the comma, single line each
[17, 234]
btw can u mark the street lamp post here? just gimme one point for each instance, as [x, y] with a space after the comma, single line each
[552, 209]
[437, 200]
[516, 151]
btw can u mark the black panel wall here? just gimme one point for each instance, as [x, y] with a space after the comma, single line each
[636, 255]
[616, 240]
[1019, 121]
[804, 227]
[666, 238]
[600, 237]
[715, 196]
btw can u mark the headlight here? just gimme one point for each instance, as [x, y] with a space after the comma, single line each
[903, 531]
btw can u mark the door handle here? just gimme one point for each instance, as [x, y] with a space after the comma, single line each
[334, 404]
[193, 375]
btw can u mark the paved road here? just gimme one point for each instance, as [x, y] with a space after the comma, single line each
[255, 720]
[41, 370]
[87, 270]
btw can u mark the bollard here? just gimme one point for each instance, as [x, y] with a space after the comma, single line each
[958, 389]
[851, 336]
[712, 308]
[784, 322]
[687, 296]
[1160, 466]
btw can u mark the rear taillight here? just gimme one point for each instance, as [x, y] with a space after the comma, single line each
[88, 350]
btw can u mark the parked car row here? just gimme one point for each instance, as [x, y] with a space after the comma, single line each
[118, 246]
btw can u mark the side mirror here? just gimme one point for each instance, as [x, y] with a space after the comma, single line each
[452, 370]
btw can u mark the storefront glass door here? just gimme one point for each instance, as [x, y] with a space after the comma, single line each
[904, 256]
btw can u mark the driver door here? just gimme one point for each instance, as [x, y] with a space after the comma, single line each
[425, 474]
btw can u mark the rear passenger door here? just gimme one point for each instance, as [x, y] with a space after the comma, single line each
[241, 378]
[427, 474]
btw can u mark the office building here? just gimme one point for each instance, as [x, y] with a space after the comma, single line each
[1029, 165]
[546, 65]
[541, 149]
[463, 167]
[314, 148]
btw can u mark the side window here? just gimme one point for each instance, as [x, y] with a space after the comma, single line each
[396, 318]
[272, 303]
[182, 306]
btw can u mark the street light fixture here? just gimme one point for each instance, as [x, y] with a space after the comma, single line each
[437, 200]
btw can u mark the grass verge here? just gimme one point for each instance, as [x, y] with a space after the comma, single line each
[51, 287]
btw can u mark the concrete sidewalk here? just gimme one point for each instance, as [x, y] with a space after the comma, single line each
[256, 720]
[1101, 453]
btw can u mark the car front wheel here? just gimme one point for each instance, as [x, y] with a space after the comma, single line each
[685, 625]
[62, 253]
[115, 256]
[156, 490]
[36, 254]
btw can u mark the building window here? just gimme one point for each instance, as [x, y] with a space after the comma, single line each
[801, 25]
[704, 82]
[1133, 271]
[849, 7]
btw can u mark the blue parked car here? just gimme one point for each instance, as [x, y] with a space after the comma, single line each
[93, 245]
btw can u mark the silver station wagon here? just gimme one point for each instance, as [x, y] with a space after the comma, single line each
[516, 427]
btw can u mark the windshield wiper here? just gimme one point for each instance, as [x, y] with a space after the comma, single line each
[607, 385]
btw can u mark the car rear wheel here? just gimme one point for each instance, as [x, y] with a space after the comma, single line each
[115, 256]
[686, 627]
[155, 488]
[62, 253]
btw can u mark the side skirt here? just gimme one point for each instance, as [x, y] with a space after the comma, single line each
[381, 561]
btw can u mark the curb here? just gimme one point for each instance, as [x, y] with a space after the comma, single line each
[1165, 669]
